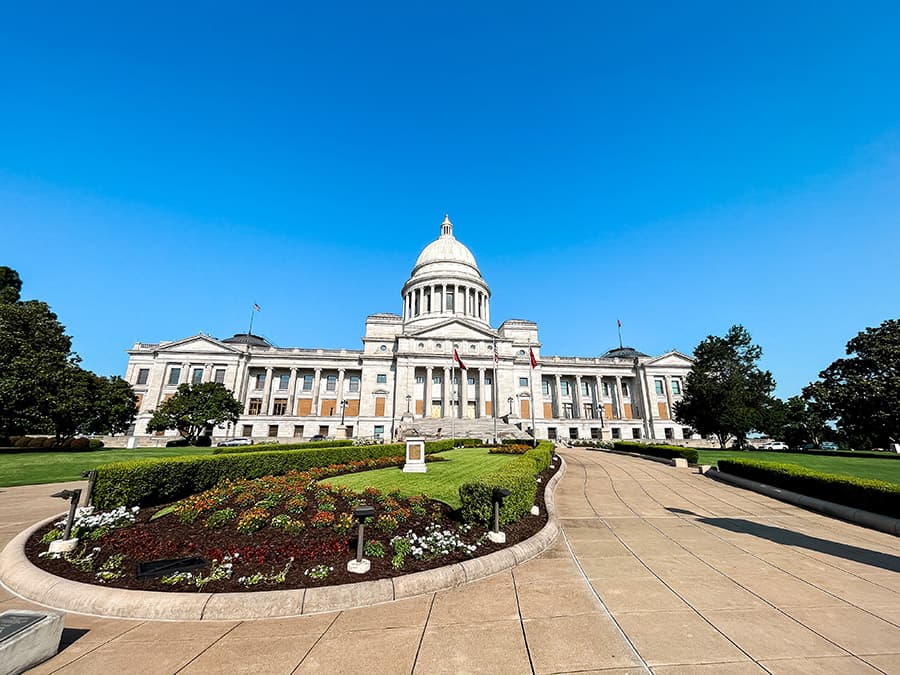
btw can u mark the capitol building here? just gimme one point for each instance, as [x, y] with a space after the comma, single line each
[405, 379]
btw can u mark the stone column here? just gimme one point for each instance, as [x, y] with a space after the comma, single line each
[577, 410]
[479, 394]
[317, 387]
[340, 390]
[426, 392]
[292, 393]
[267, 396]
[598, 396]
[620, 403]
[667, 383]
[463, 392]
[445, 393]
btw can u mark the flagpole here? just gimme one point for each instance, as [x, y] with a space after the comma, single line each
[533, 429]
[252, 312]
[620, 333]
[494, 393]
[452, 377]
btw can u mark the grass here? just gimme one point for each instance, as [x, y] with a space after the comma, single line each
[441, 482]
[861, 467]
[31, 468]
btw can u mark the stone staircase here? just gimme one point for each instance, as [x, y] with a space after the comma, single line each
[440, 427]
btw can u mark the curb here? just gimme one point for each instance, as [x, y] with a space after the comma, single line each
[662, 460]
[20, 577]
[875, 521]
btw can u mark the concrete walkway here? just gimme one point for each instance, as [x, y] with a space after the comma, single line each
[658, 570]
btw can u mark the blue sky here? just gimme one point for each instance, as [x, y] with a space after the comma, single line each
[681, 169]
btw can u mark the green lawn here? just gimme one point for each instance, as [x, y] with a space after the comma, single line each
[29, 468]
[441, 482]
[862, 467]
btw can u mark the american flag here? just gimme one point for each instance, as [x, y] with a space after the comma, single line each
[256, 307]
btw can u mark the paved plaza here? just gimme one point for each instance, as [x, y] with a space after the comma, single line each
[657, 570]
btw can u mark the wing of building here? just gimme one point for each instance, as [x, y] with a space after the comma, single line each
[405, 378]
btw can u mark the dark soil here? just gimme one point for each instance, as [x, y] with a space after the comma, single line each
[269, 549]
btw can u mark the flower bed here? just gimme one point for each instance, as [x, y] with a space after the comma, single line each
[288, 531]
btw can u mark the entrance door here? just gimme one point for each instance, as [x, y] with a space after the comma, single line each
[436, 409]
[470, 410]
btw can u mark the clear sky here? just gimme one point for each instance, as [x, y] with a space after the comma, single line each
[681, 167]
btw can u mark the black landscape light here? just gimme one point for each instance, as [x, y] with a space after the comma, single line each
[498, 495]
[408, 399]
[361, 512]
[73, 496]
[344, 404]
[91, 476]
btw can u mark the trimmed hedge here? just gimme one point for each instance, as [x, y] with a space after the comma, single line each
[265, 447]
[517, 476]
[862, 493]
[666, 451]
[146, 482]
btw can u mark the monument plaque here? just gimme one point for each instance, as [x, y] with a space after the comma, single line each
[14, 622]
[28, 638]
[415, 456]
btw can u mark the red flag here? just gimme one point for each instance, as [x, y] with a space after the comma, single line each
[533, 360]
[456, 358]
[256, 307]
[619, 322]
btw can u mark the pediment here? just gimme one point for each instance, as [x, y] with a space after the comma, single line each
[455, 329]
[197, 344]
[673, 358]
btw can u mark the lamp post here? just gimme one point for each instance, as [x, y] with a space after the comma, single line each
[343, 407]
[67, 543]
[510, 401]
[408, 401]
[360, 565]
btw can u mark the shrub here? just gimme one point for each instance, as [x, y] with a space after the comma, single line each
[510, 449]
[861, 493]
[266, 447]
[666, 451]
[156, 481]
[94, 443]
[203, 442]
[22, 442]
[517, 476]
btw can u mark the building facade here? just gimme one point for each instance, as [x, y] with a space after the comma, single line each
[405, 378]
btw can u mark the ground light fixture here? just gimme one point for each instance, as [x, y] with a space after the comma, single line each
[497, 496]
[360, 565]
[67, 543]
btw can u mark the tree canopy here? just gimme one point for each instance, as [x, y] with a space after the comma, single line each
[861, 393]
[193, 408]
[10, 285]
[726, 394]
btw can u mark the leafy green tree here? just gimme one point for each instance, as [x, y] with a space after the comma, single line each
[193, 408]
[85, 403]
[861, 393]
[726, 394]
[35, 354]
[797, 421]
[10, 285]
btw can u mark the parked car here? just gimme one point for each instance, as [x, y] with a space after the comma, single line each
[318, 437]
[231, 442]
[829, 445]
[773, 445]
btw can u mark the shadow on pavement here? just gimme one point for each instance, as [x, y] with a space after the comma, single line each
[780, 535]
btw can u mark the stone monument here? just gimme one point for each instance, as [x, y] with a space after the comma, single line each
[415, 456]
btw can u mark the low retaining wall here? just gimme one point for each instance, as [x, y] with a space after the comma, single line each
[21, 577]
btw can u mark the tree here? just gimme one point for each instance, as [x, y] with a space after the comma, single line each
[861, 393]
[193, 408]
[10, 285]
[85, 403]
[797, 421]
[725, 393]
[35, 354]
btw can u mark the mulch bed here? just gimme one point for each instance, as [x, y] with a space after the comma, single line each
[268, 549]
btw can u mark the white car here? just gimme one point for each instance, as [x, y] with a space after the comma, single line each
[774, 445]
[231, 442]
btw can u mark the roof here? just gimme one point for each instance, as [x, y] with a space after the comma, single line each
[623, 353]
[247, 339]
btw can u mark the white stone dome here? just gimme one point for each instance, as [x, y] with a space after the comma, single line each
[446, 253]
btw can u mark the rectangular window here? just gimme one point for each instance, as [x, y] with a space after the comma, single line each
[381, 378]
[564, 387]
[676, 387]
[567, 411]
[545, 387]
[307, 382]
[255, 406]
[625, 389]
[687, 432]
[450, 297]
[635, 433]
[138, 400]
[354, 383]
[488, 381]
[298, 431]
[197, 376]
[331, 383]
[273, 430]
[143, 375]
[220, 376]
[279, 407]
[616, 432]
[606, 389]
[584, 389]
[573, 433]
[595, 433]
[247, 430]
[437, 379]
[660, 388]
[420, 379]
[174, 375]
[551, 433]
[588, 411]
[471, 381]
[379, 431]
[284, 381]
[323, 430]
[670, 433]
[260, 381]
[523, 381]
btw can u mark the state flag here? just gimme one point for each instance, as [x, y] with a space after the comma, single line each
[458, 360]
[533, 360]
